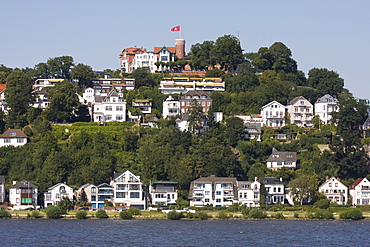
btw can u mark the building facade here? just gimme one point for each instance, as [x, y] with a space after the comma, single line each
[163, 193]
[275, 189]
[182, 85]
[324, 107]
[23, 195]
[2, 190]
[300, 111]
[203, 99]
[278, 160]
[335, 191]
[171, 107]
[110, 108]
[360, 192]
[273, 114]
[13, 137]
[249, 193]
[56, 193]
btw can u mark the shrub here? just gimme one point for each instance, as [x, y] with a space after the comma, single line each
[223, 215]
[322, 203]
[257, 214]
[134, 211]
[125, 215]
[81, 215]
[279, 216]
[173, 215]
[35, 214]
[53, 212]
[296, 215]
[351, 214]
[4, 213]
[320, 214]
[101, 214]
[202, 215]
[245, 212]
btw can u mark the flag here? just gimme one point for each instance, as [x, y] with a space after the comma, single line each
[177, 28]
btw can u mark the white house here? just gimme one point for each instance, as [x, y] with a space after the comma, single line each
[22, 195]
[129, 190]
[171, 107]
[109, 108]
[335, 191]
[275, 189]
[56, 193]
[163, 193]
[279, 160]
[40, 84]
[2, 189]
[324, 107]
[249, 193]
[360, 192]
[300, 111]
[212, 190]
[13, 137]
[273, 114]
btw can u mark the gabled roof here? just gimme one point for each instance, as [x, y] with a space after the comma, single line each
[357, 182]
[13, 133]
[23, 184]
[296, 99]
[330, 180]
[117, 175]
[272, 102]
[104, 185]
[326, 98]
[57, 185]
[2, 87]
[277, 156]
[159, 49]
[271, 180]
[214, 179]
[132, 51]
[196, 93]
[85, 186]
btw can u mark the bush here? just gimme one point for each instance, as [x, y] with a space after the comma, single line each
[245, 212]
[125, 215]
[173, 215]
[322, 203]
[54, 212]
[134, 211]
[279, 216]
[4, 213]
[296, 215]
[101, 214]
[202, 215]
[81, 215]
[351, 214]
[35, 214]
[257, 214]
[223, 215]
[320, 214]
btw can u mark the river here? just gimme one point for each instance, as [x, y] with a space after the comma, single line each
[43, 232]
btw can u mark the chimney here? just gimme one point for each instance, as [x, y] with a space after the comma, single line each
[255, 178]
[326, 178]
[14, 182]
[281, 179]
[338, 179]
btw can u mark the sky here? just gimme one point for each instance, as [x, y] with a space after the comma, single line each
[332, 34]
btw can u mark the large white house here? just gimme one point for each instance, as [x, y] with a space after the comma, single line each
[360, 192]
[249, 193]
[171, 107]
[279, 160]
[273, 114]
[275, 189]
[13, 137]
[56, 193]
[212, 190]
[110, 108]
[163, 193]
[335, 191]
[324, 107]
[22, 195]
[129, 190]
[300, 111]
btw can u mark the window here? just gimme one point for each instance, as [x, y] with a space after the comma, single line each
[206, 200]
[218, 200]
[336, 184]
[12, 133]
[119, 117]
[134, 195]
[329, 184]
[120, 195]
[19, 140]
[7, 140]
[120, 186]
[17, 191]
[93, 190]
[218, 193]
[108, 117]
[108, 108]
[274, 189]
[206, 193]
[93, 198]
[119, 108]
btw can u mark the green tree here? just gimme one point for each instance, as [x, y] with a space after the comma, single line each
[201, 55]
[83, 74]
[101, 214]
[234, 130]
[65, 204]
[195, 117]
[42, 71]
[53, 212]
[228, 52]
[143, 78]
[303, 187]
[60, 67]
[18, 96]
[327, 82]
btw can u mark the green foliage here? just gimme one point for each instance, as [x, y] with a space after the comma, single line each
[134, 211]
[125, 215]
[202, 215]
[279, 216]
[296, 215]
[223, 215]
[245, 212]
[351, 214]
[101, 214]
[35, 214]
[53, 212]
[323, 214]
[65, 204]
[322, 204]
[173, 215]
[81, 215]
[257, 214]
[4, 213]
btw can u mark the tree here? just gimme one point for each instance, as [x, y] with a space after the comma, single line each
[60, 67]
[195, 117]
[63, 102]
[143, 78]
[65, 204]
[42, 70]
[234, 130]
[303, 187]
[84, 74]
[201, 55]
[327, 82]
[53, 212]
[18, 96]
[228, 52]
[83, 196]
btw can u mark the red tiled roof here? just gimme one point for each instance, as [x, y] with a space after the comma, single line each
[133, 51]
[2, 87]
[171, 49]
[356, 183]
[13, 133]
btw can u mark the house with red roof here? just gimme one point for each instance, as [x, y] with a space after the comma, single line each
[360, 192]
[3, 106]
[13, 137]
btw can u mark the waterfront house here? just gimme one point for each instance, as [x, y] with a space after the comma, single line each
[360, 192]
[163, 193]
[104, 194]
[2, 189]
[86, 193]
[279, 160]
[13, 137]
[129, 190]
[335, 191]
[22, 195]
[212, 190]
[249, 193]
[275, 190]
[182, 85]
[56, 193]
[300, 111]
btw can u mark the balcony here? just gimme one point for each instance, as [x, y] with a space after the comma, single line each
[198, 195]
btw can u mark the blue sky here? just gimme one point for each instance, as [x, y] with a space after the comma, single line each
[332, 34]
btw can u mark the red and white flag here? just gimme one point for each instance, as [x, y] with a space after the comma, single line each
[177, 28]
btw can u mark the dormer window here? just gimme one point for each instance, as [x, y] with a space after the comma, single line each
[12, 133]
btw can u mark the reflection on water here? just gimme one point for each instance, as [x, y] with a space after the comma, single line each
[31, 232]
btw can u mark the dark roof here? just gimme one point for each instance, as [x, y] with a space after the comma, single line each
[213, 179]
[271, 180]
[23, 184]
[2, 180]
[13, 133]
[169, 183]
[293, 101]
[352, 186]
[282, 156]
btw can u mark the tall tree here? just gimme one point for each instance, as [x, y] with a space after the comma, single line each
[83, 74]
[143, 78]
[18, 96]
[201, 55]
[228, 52]
[195, 117]
[303, 187]
[60, 67]
[326, 81]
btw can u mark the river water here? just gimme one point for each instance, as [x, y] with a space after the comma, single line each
[43, 232]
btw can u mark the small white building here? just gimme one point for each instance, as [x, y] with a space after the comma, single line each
[212, 190]
[110, 108]
[278, 160]
[171, 107]
[163, 193]
[335, 191]
[22, 195]
[324, 107]
[249, 193]
[13, 137]
[360, 192]
[129, 190]
[273, 114]
[56, 193]
[275, 189]
[40, 84]
[300, 111]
